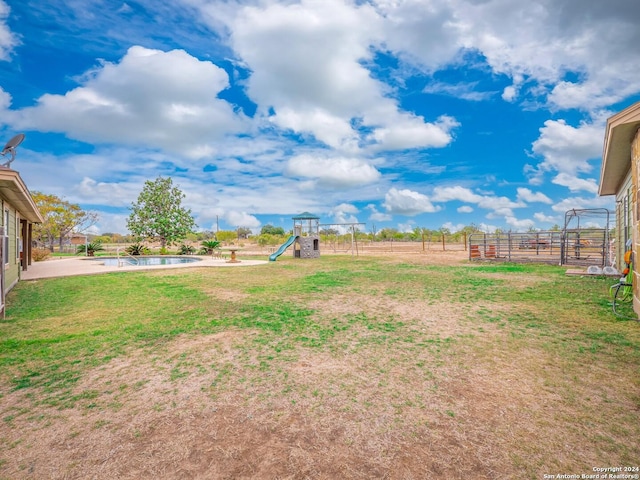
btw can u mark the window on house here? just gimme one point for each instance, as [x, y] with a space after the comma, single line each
[628, 216]
[5, 250]
[17, 224]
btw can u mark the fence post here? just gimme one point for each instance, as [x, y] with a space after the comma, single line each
[443, 249]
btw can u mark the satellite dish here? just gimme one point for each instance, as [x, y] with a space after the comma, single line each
[10, 147]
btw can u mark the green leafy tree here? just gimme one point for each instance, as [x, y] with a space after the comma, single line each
[388, 233]
[227, 235]
[471, 228]
[61, 218]
[158, 213]
[271, 230]
[243, 232]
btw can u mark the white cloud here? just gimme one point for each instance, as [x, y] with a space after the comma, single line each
[406, 227]
[467, 91]
[453, 228]
[345, 213]
[499, 205]
[346, 208]
[158, 99]
[542, 41]
[423, 34]
[519, 224]
[583, 203]
[465, 209]
[8, 41]
[541, 217]
[463, 194]
[241, 219]
[526, 195]
[380, 217]
[533, 43]
[487, 228]
[408, 202]
[509, 94]
[567, 149]
[576, 184]
[331, 129]
[333, 172]
[111, 223]
[408, 131]
[377, 216]
[308, 63]
[107, 193]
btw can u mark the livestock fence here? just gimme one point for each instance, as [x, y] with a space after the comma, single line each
[577, 244]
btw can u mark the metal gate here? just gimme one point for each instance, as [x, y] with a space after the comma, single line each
[585, 241]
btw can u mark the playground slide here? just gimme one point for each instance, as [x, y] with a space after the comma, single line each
[283, 247]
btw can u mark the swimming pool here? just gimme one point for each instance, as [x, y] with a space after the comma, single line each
[146, 261]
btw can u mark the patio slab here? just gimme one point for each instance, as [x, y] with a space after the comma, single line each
[68, 266]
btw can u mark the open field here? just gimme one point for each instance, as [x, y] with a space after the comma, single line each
[401, 367]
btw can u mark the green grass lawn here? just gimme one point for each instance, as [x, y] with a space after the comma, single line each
[336, 367]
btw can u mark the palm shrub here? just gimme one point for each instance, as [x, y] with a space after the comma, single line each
[186, 250]
[137, 249]
[90, 248]
[209, 246]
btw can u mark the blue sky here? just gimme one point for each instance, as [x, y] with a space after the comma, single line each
[393, 113]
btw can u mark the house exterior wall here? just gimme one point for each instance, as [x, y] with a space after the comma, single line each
[624, 220]
[10, 257]
[635, 214]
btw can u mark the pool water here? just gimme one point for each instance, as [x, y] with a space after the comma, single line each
[146, 261]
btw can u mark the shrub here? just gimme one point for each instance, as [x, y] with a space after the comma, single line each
[186, 250]
[208, 246]
[137, 249]
[40, 254]
[90, 248]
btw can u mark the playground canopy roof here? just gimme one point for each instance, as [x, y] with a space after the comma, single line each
[306, 216]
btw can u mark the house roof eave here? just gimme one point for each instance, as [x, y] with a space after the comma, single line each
[616, 155]
[14, 190]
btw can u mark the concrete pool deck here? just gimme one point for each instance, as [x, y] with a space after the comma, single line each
[68, 266]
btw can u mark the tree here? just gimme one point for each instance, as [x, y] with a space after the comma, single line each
[158, 213]
[243, 232]
[271, 230]
[60, 219]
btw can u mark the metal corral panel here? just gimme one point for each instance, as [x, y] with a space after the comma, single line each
[585, 247]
